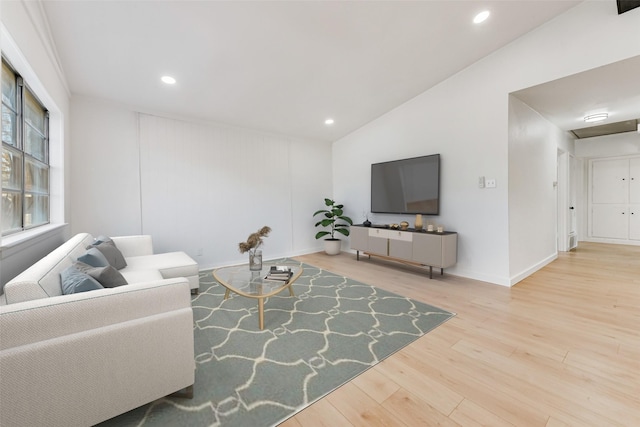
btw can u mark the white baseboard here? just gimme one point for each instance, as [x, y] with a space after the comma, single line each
[611, 241]
[529, 271]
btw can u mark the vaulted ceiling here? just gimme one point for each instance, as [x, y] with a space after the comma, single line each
[281, 67]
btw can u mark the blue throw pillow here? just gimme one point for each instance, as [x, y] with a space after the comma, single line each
[94, 258]
[74, 281]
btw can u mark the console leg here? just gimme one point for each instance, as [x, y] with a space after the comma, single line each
[357, 255]
[430, 272]
[442, 271]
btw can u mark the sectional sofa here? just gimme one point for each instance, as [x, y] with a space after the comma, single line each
[82, 358]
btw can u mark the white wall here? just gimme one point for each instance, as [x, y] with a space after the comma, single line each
[465, 119]
[105, 177]
[620, 144]
[24, 40]
[195, 187]
[533, 169]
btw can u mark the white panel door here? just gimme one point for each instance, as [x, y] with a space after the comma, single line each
[610, 221]
[634, 180]
[634, 222]
[610, 181]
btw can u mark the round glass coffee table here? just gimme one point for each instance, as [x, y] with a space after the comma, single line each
[252, 284]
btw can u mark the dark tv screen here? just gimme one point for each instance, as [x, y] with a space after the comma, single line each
[408, 186]
[627, 5]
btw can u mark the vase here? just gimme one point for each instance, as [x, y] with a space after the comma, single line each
[332, 246]
[255, 260]
[418, 224]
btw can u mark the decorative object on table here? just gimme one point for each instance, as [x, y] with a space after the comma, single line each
[255, 260]
[331, 219]
[279, 273]
[251, 245]
[429, 227]
[440, 229]
[418, 223]
[394, 226]
[366, 222]
[404, 225]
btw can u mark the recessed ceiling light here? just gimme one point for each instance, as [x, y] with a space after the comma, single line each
[481, 17]
[168, 80]
[596, 117]
[328, 122]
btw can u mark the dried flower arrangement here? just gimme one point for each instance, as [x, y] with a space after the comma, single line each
[254, 240]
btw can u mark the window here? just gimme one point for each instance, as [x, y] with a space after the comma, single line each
[25, 156]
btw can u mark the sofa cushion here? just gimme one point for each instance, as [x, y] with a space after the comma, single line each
[141, 276]
[110, 252]
[75, 281]
[170, 265]
[107, 276]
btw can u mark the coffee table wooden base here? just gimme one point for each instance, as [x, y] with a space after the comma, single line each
[241, 281]
[260, 299]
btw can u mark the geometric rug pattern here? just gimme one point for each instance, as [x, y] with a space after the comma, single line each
[332, 330]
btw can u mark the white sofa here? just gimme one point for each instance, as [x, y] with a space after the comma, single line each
[80, 359]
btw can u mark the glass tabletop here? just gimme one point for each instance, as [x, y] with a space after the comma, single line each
[243, 281]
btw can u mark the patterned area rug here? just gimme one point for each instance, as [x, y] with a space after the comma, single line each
[334, 329]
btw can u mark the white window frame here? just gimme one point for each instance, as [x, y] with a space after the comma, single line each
[10, 50]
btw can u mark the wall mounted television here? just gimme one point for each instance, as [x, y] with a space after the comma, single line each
[407, 186]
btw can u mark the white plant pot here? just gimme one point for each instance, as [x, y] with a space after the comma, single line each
[332, 246]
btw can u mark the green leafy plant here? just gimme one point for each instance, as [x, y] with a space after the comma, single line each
[332, 215]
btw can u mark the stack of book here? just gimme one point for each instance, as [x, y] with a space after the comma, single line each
[279, 273]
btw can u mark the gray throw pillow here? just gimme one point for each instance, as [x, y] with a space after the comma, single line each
[107, 276]
[94, 258]
[111, 253]
[101, 239]
[74, 281]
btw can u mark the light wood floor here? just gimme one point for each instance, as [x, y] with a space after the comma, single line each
[561, 348]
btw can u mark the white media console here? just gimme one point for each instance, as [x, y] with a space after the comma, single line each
[423, 248]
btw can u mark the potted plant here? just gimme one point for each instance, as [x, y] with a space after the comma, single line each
[332, 215]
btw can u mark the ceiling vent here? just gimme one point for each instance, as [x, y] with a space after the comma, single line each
[607, 129]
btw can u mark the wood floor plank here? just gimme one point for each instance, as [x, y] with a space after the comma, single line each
[413, 411]
[432, 392]
[320, 414]
[561, 348]
[361, 410]
[470, 414]
[377, 385]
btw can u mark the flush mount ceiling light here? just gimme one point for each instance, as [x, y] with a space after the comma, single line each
[328, 122]
[168, 80]
[481, 17]
[596, 117]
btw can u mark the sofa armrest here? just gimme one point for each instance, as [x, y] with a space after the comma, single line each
[134, 245]
[49, 318]
[84, 358]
